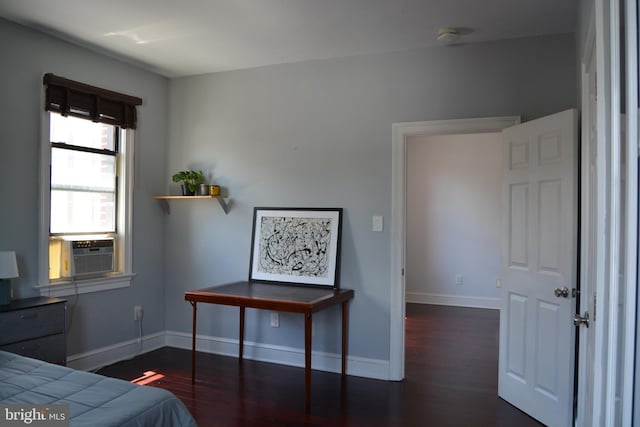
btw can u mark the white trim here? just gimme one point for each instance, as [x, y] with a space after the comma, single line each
[400, 133]
[104, 356]
[585, 399]
[397, 279]
[45, 197]
[631, 216]
[454, 300]
[601, 263]
[83, 286]
[614, 211]
[290, 356]
[124, 251]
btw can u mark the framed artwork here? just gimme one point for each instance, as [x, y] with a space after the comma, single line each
[298, 246]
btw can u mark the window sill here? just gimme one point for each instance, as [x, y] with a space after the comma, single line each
[66, 287]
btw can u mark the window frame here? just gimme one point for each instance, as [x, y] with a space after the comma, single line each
[124, 222]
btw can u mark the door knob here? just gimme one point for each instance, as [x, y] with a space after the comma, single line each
[562, 292]
[581, 320]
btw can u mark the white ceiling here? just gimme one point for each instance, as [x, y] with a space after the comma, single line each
[187, 37]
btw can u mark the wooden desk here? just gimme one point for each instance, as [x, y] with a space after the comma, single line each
[295, 299]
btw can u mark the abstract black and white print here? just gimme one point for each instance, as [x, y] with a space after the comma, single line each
[295, 246]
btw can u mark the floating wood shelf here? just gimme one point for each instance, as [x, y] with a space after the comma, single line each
[165, 204]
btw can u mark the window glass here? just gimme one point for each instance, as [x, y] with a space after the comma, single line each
[83, 183]
[81, 132]
[83, 192]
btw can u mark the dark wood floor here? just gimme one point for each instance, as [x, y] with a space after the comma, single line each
[451, 380]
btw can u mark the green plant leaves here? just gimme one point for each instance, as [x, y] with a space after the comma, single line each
[189, 178]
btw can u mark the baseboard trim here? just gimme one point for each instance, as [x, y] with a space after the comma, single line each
[455, 300]
[321, 361]
[95, 359]
[290, 356]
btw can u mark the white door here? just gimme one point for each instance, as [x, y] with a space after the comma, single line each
[536, 364]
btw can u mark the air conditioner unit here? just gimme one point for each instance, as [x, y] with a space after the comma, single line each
[86, 257]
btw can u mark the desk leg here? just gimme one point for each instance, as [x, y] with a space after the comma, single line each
[193, 343]
[307, 359]
[345, 336]
[241, 338]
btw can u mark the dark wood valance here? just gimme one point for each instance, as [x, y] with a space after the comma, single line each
[71, 98]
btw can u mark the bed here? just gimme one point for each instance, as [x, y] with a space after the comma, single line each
[94, 400]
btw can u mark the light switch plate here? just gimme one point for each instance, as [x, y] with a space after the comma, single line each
[377, 223]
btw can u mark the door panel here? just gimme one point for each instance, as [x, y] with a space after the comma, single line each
[539, 255]
[516, 352]
[549, 318]
[550, 210]
[518, 208]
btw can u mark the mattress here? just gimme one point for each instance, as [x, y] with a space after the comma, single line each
[94, 400]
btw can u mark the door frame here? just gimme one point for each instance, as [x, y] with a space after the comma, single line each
[401, 132]
[584, 395]
[631, 76]
[613, 370]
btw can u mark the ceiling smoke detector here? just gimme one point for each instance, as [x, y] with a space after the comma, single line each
[448, 35]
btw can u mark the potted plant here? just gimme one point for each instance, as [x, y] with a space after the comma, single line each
[189, 181]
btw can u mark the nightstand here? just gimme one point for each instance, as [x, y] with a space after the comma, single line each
[35, 327]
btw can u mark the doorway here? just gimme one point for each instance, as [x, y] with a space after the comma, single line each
[401, 134]
[538, 248]
[454, 227]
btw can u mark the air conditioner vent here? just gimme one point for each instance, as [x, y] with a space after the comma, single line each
[86, 257]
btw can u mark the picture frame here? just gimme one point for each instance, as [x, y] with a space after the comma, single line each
[296, 246]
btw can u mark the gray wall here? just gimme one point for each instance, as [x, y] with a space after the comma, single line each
[102, 318]
[318, 133]
[454, 217]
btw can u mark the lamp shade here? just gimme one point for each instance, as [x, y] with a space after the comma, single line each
[8, 265]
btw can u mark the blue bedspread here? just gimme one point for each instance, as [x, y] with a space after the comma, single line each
[94, 400]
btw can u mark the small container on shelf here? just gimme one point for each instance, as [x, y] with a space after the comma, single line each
[214, 190]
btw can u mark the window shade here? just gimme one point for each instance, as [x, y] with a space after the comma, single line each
[71, 98]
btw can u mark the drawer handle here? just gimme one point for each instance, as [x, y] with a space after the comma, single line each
[28, 316]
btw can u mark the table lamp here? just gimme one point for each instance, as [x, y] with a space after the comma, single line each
[8, 271]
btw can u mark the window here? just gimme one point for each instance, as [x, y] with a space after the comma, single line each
[83, 176]
[83, 189]
[86, 189]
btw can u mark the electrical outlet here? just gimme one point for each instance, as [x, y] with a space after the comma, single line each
[459, 279]
[498, 283]
[137, 312]
[275, 320]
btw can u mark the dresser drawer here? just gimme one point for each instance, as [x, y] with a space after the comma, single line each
[50, 349]
[35, 322]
